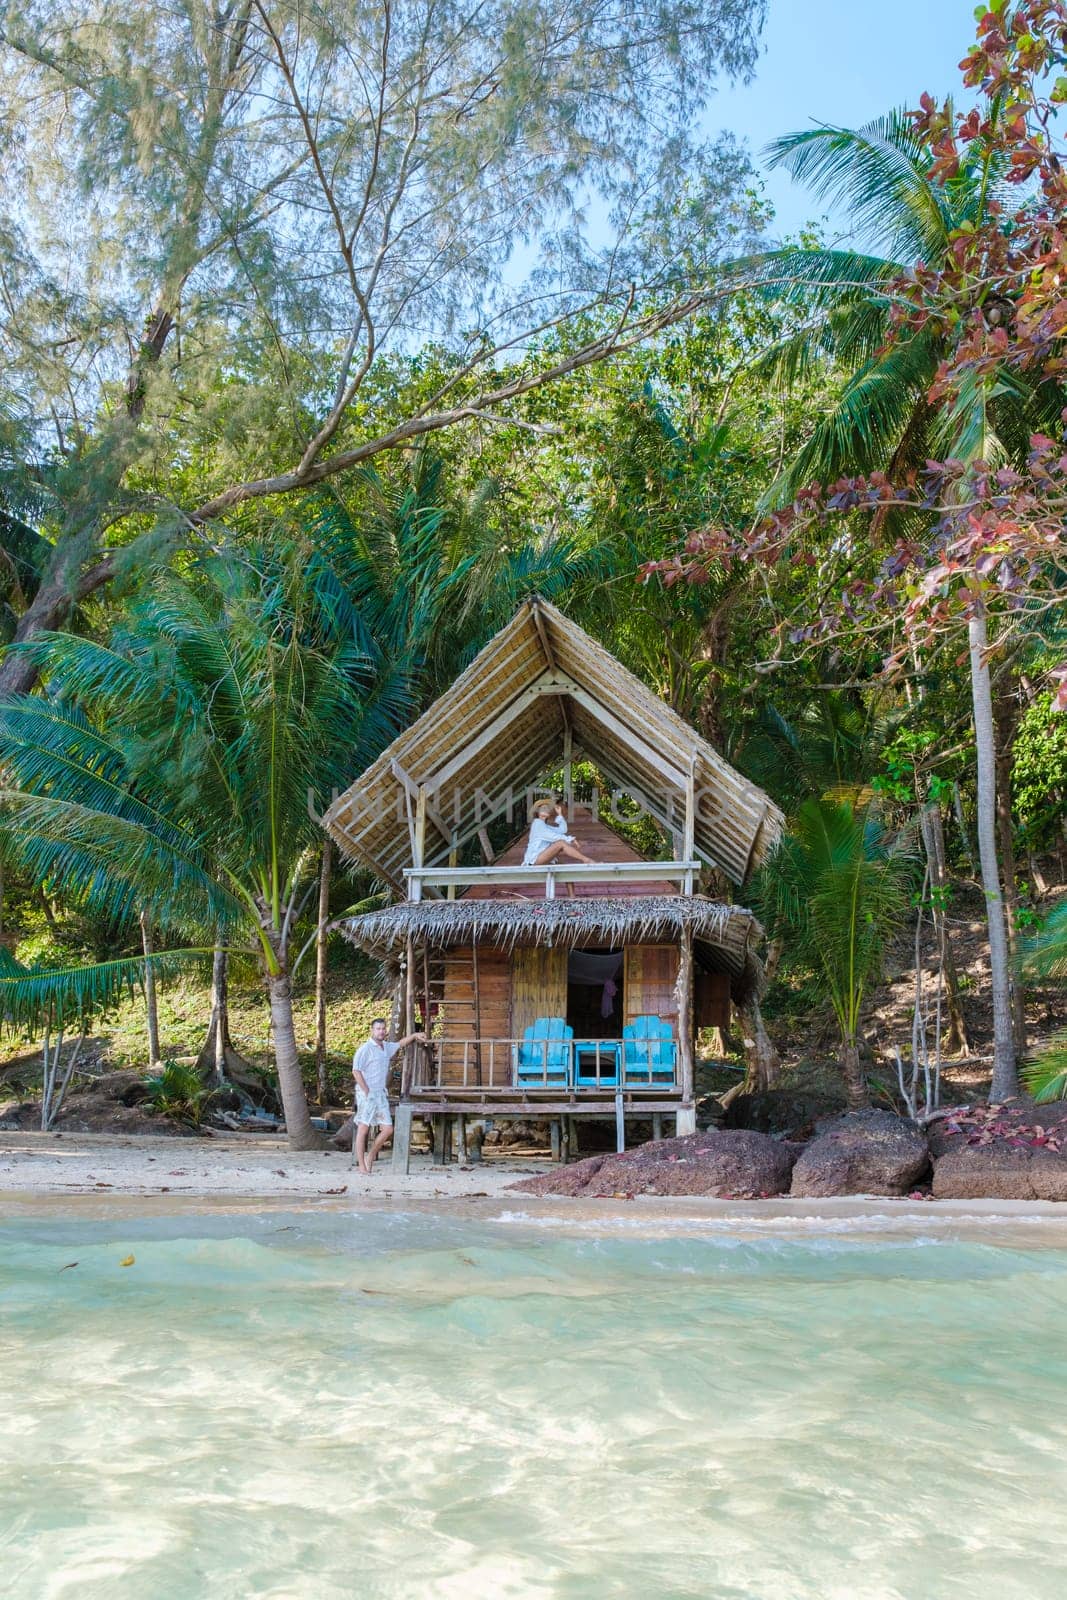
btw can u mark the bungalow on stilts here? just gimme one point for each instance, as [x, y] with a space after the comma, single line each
[562, 991]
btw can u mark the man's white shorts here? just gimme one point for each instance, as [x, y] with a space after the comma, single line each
[372, 1108]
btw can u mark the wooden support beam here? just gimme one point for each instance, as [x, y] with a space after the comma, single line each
[629, 739]
[542, 634]
[553, 665]
[418, 856]
[411, 790]
[548, 683]
[683, 994]
[441, 1132]
[689, 830]
[477, 1015]
[409, 988]
[568, 775]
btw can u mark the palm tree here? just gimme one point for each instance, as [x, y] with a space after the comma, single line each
[177, 767]
[883, 417]
[430, 572]
[834, 892]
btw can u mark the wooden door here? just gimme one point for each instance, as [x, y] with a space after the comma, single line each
[650, 975]
[538, 986]
[711, 999]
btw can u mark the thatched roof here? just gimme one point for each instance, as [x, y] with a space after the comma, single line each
[724, 937]
[502, 724]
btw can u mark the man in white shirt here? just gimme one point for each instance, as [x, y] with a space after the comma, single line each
[370, 1069]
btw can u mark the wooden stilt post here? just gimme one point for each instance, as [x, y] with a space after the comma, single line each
[409, 987]
[555, 1134]
[620, 1124]
[402, 1137]
[477, 1014]
[461, 1140]
[405, 1110]
[657, 1124]
[683, 990]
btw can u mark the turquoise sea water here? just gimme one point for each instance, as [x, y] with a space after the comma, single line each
[326, 1405]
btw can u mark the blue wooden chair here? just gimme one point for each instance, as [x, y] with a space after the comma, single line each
[544, 1056]
[649, 1051]
[585, 1063]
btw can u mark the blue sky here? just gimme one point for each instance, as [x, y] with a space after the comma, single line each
[841, 61]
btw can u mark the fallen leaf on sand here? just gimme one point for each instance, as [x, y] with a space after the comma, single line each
[342, 1190]
[127, 1261]
[280, 1172]
[68, 1266]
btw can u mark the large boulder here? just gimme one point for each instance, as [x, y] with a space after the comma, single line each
[1000, 1171]
[1013, 1151]
[729, 1163]
[865, 1152]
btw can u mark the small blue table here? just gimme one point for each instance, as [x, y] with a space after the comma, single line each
[585, 1063]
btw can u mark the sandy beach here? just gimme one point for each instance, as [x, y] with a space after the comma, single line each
[40, 1172]
[259, 1165]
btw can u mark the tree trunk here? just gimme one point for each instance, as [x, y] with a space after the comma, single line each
[150, 1004]
[219, 1061]
[956, 1042]
[1005, 1081]
[320, 972]
[762, 1062]
[855, 1079]
[220, 1011]
[49, 609]
[302, 1136]
[1006, 727]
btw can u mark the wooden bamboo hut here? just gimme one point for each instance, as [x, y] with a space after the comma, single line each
[563, 991]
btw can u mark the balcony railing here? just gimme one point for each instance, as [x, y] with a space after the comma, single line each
[524, 1066]
[680, 872]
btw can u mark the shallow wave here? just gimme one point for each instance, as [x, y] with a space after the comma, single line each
[403, 1405]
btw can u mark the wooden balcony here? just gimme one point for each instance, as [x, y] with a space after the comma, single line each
[564, 1070]
[546, 878]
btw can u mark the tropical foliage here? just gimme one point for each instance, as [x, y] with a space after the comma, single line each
[837, 889]
[262, 499]
[177, 765]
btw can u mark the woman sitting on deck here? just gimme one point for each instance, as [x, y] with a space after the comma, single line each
[549, 839]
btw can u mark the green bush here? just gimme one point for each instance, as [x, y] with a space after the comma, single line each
[177, 1091]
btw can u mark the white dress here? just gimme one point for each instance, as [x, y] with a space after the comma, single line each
[542, 834]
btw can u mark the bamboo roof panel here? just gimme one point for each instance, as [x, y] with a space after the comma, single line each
[500, 725]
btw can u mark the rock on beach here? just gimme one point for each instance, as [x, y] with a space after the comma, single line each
[735, 1163]
[865, 1152]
